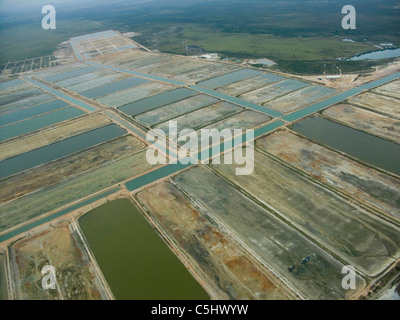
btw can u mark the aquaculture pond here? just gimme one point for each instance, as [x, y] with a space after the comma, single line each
[361, 145]
[135, 261]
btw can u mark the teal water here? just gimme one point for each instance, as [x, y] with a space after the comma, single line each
[59, 149]
[70, 74]
[377, 55]
[321, 105]
[19, 95]
[30, 125]
[31, 112]
[167, 170]
[361, 145]
[135, 73]
[25, 103]
[62, 95]
[156, 101]
[58, 214]
[113, 87]
[12, 83]
[380, 82]
[229, 78]
[241, 102]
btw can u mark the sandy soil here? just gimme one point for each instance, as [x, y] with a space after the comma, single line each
[60, 247]
[211, 251]
[348, 81]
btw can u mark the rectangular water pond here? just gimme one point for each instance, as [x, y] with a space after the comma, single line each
[11, 83]
[366, 147]
[31, 112]
[83, 86]
[176, 109]
[113, 87]
[300, 98]
[156, 101]
[237, 88]
[25, 103]
[229, 78]
[30, 125]
[59, 149]
[135, 261]
[71, 74]
[19, 95]
[271, 92]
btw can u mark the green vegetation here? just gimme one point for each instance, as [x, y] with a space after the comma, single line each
[252, 45]
[301, 36]
[29, 40]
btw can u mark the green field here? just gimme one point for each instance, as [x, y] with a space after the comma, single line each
[302, 37]
[252, 45]
[30, 40]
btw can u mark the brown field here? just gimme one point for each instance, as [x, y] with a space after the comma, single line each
[364, 120]
[226, 268]
[60, 247]
[359, 238]
[55, 171]
[301, 265]
[368, 185]
[391, 89]
[386, 105]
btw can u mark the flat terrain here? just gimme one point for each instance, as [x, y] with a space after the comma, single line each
[60, 247]
[133, 271]
[357, 237]
[390, 89]
[3, 283]
[73, 189]
[273, 91]
[369, 186]
[283, 232]
[241, 87]
[76, 164]
[375, 102]
[300, 98]
[365, 120]
[52, 135]
[200, 118]
[175, 109]
[365, 147]
[210, 250]
[278, 246]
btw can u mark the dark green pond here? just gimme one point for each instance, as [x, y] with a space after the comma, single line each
[59, 149]
[135, 261]
[361, 145]
[39, 122]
